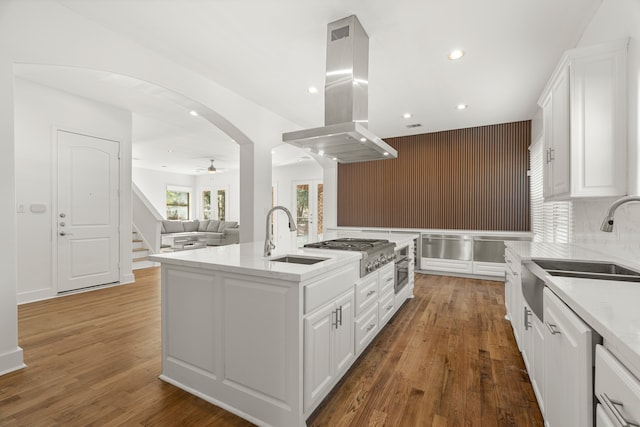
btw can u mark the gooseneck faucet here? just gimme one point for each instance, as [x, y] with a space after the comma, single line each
[607, 223]
[268, 241]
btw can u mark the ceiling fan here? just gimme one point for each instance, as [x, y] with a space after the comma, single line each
[211, 169]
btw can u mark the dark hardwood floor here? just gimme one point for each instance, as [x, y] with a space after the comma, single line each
[448, 358]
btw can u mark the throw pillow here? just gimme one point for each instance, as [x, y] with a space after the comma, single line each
[190, 225]
[227, 224]
[213, 225]
[173, 226]
[202, 226]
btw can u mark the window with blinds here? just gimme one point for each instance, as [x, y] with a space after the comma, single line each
[550, 221]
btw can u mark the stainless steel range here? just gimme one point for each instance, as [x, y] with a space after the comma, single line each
[376, 252]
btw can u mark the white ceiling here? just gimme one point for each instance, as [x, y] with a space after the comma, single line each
[271, 51]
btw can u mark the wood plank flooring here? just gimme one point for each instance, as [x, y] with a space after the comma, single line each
[448, 358]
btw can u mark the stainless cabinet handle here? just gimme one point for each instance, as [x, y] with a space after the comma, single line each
[613, 407]
[371, 326]
[334, 324]
[340, 311]
[389, 307]
[552, 154]
[485, 239]
[371, 292]
[389, 279]
[552, 328]
[527, 324]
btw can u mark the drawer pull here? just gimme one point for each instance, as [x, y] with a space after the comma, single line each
[370, 327]
[389, 307]
[371, 292]
[389, 279]
[613, 407]
[527, 324]
[552, 328]
[335, 325]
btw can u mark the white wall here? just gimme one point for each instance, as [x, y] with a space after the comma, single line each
[49, 33]
[614, 20]
[38, 111]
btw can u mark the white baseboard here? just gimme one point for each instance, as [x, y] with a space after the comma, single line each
[11, 361]
[37, 295]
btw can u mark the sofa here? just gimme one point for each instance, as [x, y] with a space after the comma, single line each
[213, 232]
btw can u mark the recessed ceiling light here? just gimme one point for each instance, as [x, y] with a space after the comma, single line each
[407, 115]
[312, 89]
[363, 139]
[169, 151]
[456, 54]
[321, 152]
[462, 106]
[385, 154]
[193, 113]
[334, 159]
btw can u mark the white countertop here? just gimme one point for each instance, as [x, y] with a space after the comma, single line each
[611, 308]
[248, 258]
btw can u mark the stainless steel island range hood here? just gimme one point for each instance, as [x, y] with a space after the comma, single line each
[345, 136]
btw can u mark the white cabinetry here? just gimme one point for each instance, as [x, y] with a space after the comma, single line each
[584, 118]
[617, 390]
[568, 365]
[329, 346]
[372, 293]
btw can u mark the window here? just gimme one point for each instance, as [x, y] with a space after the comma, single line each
[550, 221]
[222, 200]
[178, 203]
[206, 205]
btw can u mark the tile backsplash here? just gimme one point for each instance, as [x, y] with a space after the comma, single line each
[588, 216]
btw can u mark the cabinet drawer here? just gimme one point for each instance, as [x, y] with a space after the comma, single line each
[446, 265]
[386, 279]
[616, 388]
[385, 308]
[366, 328]
[325, 289]
[366, 292]
[495, 269]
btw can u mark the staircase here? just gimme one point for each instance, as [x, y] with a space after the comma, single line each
[139, 253]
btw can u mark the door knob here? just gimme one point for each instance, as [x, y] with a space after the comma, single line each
[62, 224]
[62, 233]
[62, 215]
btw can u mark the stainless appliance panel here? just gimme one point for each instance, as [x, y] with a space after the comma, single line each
[491, 249]
[458, 247]
[401, 274]
[532, 280]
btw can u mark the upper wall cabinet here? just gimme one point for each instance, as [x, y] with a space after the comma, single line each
[585, 124]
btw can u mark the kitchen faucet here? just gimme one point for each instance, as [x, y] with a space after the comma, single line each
[607, 223]
[268, 241]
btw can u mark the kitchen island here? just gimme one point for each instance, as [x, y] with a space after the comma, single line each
[268, 340]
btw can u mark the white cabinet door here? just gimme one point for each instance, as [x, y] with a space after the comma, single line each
[558, 155]
[537, 376]
[584, 120]
[318, 351]
[568, 364]
[329, 346]
[344, 333]
[598, 123]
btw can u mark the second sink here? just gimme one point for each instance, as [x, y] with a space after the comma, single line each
[298, 259]
[589, 270]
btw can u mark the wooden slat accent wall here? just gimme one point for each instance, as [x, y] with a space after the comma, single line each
[469, 179]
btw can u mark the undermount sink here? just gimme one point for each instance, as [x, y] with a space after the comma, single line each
[589, 270]
[298, 259]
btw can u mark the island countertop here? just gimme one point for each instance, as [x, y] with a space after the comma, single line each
[248, 258]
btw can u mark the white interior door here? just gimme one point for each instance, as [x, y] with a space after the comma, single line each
[309, 197]
[87, 220]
